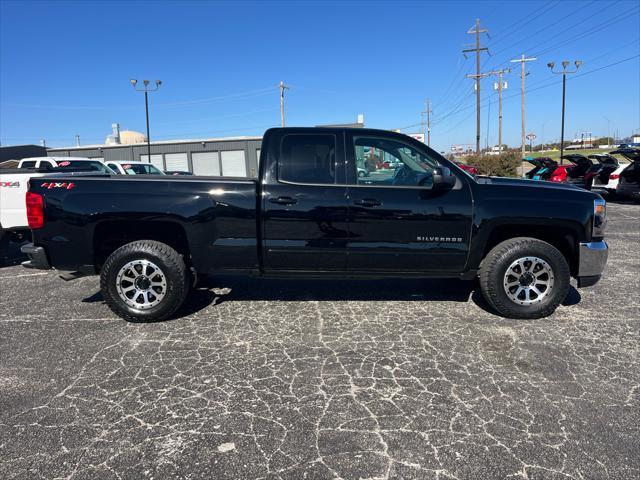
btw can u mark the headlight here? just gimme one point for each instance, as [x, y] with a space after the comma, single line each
[599, 218]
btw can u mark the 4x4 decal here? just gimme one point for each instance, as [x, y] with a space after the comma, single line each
[65, 185]
[10, 184]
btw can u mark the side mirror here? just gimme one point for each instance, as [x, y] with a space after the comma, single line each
[443, 179]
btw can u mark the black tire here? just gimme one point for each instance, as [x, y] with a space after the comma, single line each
[495, 265]
[172, 266]
[4, 243]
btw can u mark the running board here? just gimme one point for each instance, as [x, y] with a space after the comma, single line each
[68, 276]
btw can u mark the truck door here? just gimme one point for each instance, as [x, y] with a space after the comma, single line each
[397, 222]
[304, 201]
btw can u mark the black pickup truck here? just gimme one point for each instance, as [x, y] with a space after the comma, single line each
[328, 202]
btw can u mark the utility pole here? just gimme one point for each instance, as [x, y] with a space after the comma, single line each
[428, 111]
[499, 87]
[563, 72]
[283, 87]
[522, 61]
[476, 30]
[77, 140]
[429, 122]
[146, 89]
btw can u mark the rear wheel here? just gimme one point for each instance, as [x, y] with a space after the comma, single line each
[524, 278]
[144, 281]
[4, 243]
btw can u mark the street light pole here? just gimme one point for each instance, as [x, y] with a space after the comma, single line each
[146, 109]
[146, 89]
[564, 72]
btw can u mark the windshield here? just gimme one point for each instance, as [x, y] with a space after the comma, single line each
[88, 165]
[140, 169]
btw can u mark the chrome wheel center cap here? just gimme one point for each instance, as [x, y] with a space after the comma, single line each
[527, 279]
[142, 282]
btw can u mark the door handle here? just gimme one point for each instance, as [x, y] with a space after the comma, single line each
[283, 200]
[368, 202]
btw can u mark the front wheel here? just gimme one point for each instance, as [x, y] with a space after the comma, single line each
[524, 278]
[144, 281]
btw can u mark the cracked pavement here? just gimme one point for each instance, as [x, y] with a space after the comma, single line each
[282, 379]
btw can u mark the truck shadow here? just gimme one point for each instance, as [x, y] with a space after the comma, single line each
[268, 289]
[233, 289]
[218, 290]
[12, 256]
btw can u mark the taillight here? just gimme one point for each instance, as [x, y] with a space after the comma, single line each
[35, 210]
[614, 176]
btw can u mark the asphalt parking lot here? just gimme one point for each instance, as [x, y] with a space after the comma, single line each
[316, 379]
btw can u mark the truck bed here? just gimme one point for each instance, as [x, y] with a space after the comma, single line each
[215, 217]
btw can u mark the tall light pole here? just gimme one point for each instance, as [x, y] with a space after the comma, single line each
[564, 72]
[146, 89]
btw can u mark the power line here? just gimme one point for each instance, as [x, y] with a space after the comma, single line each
[209, 119]
[580, 24]
[202, 101]
[610, 22]
[552, 82]
[500, 37]
[546, 27]
[453, 79]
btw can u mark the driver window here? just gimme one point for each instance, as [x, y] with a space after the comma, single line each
[385, 162]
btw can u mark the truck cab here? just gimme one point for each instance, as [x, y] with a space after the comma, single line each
[319, 214]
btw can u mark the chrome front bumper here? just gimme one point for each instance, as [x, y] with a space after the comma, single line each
[592, 260]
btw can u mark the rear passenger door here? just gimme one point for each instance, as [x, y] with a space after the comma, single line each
[304, 202]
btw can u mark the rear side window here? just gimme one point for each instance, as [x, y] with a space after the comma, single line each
[29, 164]
[308, 159]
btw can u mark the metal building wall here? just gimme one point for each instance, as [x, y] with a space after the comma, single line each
[134, 152]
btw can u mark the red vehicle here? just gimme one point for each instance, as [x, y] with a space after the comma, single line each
[560, 174]
[468, 168]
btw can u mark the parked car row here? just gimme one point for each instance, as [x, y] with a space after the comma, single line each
[601, 172]
[118, 167]
[14, 184]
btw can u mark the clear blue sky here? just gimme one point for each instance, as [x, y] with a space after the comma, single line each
[65, 67]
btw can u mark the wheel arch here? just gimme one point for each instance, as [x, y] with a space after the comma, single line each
[110, 235]
[563, 237]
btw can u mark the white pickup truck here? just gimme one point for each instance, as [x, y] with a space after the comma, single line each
[13, 188]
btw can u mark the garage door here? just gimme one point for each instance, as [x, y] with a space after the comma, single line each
[156, 160]
[206, 163]
[233, 163]
[177, 161]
